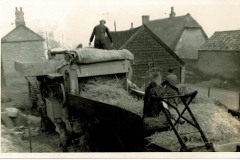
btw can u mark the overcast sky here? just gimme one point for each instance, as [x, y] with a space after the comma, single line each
[76, 18]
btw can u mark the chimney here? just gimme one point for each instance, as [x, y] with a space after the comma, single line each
[19, 17]
[131, 26]
[172, 14]
[145, 19]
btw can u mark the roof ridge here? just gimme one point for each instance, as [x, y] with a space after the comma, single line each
[168, 18]
[165, 45]
[33, 32]
[227, 31]
[131, 38]
[223, 40]
[126, 30]
[192, 19]
[24, 27]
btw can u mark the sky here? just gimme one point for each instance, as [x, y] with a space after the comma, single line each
[77, 18]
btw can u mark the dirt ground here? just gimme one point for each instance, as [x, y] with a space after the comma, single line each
[44, 142]
[10, 143]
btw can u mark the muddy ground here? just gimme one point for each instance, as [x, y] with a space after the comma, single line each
[43, 142]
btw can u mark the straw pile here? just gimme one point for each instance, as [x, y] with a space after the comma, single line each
[106, 89]
[110, 90]
[216, 123]
[184, 89]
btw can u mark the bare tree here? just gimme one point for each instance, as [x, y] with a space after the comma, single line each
[50, 30]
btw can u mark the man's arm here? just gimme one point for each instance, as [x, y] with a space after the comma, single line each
[171, 86]
[91, 38]
[109, 35]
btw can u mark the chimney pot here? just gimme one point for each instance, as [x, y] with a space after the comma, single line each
[19, 19]
[172, 14]
[131, 25]
[145, 19]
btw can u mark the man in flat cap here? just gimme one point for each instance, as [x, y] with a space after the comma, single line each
[99, 33]
[172, 78]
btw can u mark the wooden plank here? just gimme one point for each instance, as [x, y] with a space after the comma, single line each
[140, 70]
[162, 52]
[36, 68]
[142, 49]
[156, 55]
[138, 64]
[153, 58]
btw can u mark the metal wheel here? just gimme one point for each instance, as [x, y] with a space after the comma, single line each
[32, 88]
[61, 94]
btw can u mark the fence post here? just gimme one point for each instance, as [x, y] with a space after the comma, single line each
[208, 91]
[239, 101]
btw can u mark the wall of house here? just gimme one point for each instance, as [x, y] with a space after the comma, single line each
[223, 63]
[189, 43]
[149, 53]
[20, 51]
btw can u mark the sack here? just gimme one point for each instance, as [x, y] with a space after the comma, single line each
[92, 55]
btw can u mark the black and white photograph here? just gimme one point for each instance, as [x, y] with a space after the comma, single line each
[120, 78]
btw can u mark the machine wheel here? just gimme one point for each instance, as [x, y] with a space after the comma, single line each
[61, 94]
[32, 88]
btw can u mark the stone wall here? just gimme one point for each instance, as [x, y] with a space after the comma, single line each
[223, 63]
[19, 51]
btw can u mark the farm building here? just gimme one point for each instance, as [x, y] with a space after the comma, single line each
[220, 55]
[182, 34]
[20, 44]
[149, 51]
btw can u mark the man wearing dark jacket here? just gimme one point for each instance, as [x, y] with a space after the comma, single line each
[152, 107]
[172, 78]
[99, 33]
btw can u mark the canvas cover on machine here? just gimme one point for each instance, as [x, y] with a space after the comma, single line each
[92, 55]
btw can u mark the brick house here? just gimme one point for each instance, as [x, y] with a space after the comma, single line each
[220, 55]
[20, 44]
[149, 51]
[183, 34]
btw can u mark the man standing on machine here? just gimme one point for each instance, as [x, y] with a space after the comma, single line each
[99, 33]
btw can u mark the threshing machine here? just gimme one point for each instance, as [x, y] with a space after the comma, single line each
[56, 91]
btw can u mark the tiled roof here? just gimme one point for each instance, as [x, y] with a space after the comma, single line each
[121, 37]
[123, 40]
[224, 40]
[170, 30]
[14, 35]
